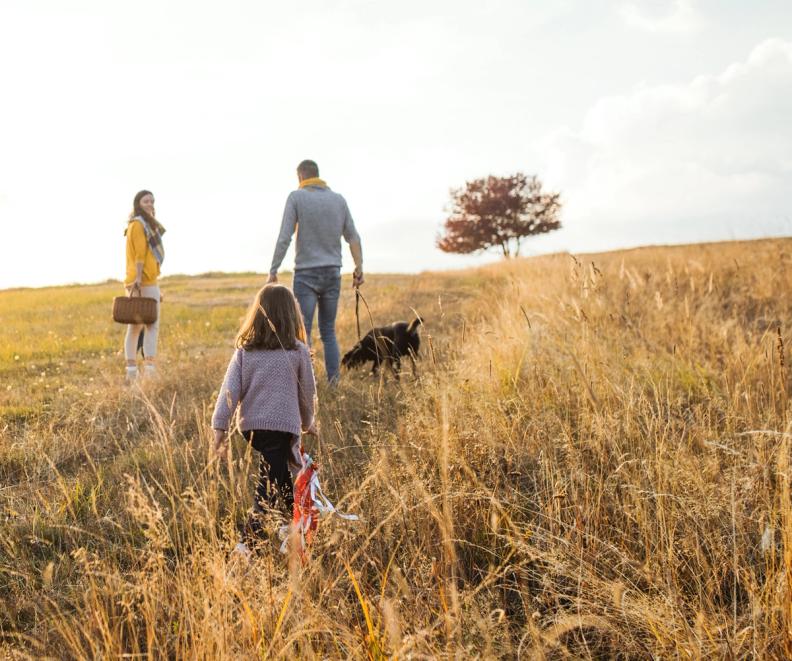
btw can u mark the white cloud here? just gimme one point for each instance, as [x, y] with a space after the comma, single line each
[657, 16]
[707, 159]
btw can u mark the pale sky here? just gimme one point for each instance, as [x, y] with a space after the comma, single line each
[659, 121]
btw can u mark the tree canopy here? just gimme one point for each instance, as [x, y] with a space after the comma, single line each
[498, 212]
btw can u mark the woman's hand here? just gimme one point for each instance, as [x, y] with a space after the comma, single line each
[220, 443]
[313, 430]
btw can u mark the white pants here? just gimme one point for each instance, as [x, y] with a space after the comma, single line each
[152, 330]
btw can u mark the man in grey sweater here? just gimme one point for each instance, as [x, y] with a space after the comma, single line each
[320, 217]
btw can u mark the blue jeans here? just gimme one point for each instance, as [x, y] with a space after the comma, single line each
[321, 286]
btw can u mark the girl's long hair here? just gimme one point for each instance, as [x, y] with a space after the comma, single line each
[138, 210]
[273, 321]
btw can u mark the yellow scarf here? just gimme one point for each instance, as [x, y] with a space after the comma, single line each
[313, 181]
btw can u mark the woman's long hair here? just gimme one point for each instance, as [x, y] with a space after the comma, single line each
[138, 210]
[273, 321]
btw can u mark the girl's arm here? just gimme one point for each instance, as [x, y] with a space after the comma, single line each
[306, 388]
[229, 395]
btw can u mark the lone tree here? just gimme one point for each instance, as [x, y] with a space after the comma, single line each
[498, 212]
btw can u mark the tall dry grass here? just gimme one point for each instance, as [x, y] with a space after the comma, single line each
[593, 462]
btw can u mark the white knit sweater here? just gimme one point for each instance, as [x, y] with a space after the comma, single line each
[275, 390]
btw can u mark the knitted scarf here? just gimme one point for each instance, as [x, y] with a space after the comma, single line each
[154, 238]
[313, 181]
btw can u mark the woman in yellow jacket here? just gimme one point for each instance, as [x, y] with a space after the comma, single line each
[144, 256]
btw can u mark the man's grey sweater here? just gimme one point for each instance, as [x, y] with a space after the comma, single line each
[321, 217]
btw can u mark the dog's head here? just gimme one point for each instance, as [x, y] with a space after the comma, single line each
[414, 325]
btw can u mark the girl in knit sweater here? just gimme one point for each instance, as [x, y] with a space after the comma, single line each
[271, 379]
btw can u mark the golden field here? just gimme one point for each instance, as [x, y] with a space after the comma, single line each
[593, 462]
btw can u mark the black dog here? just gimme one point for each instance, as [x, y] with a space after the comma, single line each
[386, 343]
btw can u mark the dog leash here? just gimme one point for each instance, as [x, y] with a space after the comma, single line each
[359, 297]
[357, 310]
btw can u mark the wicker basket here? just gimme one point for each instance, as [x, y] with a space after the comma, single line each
[134, 310]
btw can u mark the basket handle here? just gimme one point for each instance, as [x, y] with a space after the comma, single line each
[135, 288]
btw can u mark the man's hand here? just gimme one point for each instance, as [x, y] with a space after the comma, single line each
[221, 442]
[273, 277]
[357, 278]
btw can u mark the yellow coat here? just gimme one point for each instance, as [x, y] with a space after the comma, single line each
[137, 250]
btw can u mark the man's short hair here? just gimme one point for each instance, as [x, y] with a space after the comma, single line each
[308, 169]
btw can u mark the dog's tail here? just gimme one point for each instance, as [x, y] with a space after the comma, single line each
[413, 327]
[354, 357]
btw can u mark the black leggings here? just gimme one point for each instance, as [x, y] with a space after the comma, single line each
[274, 489]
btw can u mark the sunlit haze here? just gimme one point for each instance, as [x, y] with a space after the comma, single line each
[658, 121]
